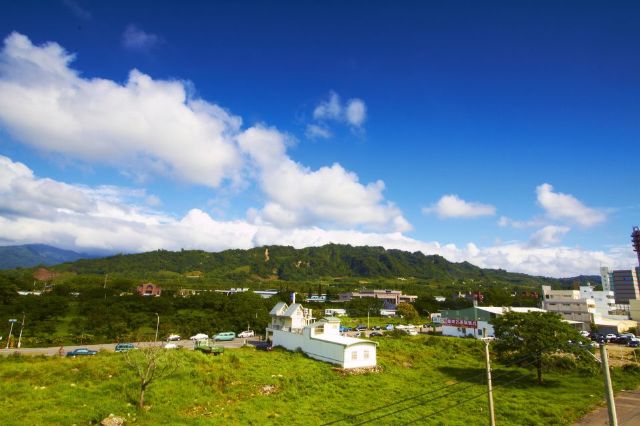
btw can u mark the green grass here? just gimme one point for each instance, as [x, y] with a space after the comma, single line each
[249, 387]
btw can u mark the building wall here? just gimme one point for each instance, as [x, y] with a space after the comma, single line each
[484, 330]
[634, 309]
[625, 284]
[604, 300]
[323, 350]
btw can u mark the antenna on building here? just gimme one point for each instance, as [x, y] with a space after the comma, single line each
[635, 240]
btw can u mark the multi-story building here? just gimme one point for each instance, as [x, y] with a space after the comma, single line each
[390, 297]
[569, 304]
[604, 300]
[625, 285]
[606, 276]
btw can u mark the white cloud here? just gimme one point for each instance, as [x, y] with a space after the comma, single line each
[520, 224]
[561, 206]
[85, 218]
[353, 113]
[452, 206]
[146, 126]
[133, 38]
[330, 109]
[548, 235]
[356, 112]
[298, 196]
[315, 131]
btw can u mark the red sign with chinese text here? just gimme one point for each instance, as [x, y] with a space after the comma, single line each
[460, 323]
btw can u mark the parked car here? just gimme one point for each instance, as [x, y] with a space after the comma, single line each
[610, 337]
[377, 327]
[125, 347]
[170, 346]
[344, 329]
[225, 335]
[388, 327]
[246, 333]
[361, 327]
[585, 333]
[375, 334]
[633, 343]
[81, 352]
[173, 337]
[199, 336]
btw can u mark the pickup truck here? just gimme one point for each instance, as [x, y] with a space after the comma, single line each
[207, 346]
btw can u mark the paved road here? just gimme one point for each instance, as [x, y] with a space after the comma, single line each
[627, 408]
[111, 347]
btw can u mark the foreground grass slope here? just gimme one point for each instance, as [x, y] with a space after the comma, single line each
[249, 387]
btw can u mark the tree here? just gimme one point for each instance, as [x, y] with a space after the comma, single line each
[533, 334]
[151, 363]
[407, 311]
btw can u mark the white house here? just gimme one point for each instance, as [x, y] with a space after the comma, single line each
[292, 328]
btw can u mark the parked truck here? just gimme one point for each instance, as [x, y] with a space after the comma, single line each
[208, 346]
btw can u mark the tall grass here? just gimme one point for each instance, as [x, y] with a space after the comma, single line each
[250, 387]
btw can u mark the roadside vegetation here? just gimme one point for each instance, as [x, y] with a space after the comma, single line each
[251, 387]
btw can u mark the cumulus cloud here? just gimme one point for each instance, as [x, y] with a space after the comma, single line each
[146, 126]
[550, 234]
[299, 196]
[107, 218]
[353, 113]
[134, 38]
[153, 127]
[452, 206]
[566, 207]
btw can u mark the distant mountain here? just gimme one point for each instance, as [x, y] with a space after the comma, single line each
[29, 255]
[290, 264]
[581, 280]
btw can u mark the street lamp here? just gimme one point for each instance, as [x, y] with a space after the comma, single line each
[157, 326]
[11, 321]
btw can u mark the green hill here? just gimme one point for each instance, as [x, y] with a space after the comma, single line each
[290, 264]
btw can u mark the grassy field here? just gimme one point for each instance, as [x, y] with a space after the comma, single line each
[250, 387]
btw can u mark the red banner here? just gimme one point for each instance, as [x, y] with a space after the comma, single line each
[460, 323]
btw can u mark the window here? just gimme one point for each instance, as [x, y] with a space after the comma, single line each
[366, 354]
[354, 355]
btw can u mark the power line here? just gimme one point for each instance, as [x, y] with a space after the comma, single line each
[461, 402]
[469, 378]
[429, 400]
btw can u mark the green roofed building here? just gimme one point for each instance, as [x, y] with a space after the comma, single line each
[475, 321]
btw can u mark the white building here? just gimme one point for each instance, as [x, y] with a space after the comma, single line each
[292, 328]
[605, 301]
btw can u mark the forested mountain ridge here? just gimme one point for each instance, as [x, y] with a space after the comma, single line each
[289, 264]
[29, 255]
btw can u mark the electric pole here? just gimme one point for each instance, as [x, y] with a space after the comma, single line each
[492, 416]
[608, 389]
[21, 328]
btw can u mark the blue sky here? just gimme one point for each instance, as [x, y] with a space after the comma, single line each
[499, 133]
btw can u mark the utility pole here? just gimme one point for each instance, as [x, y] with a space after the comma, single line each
[21, 328]
[608, 389]
[104, 287]
[492, 415]
[157, 326]
[11, 321]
